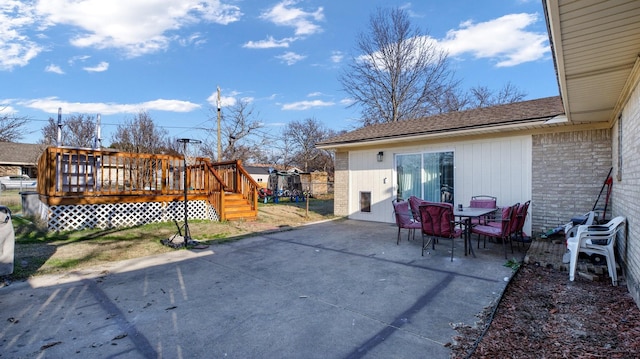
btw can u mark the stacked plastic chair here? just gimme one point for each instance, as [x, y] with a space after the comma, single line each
[596, 239]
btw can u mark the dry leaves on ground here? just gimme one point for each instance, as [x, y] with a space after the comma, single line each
[543, 315]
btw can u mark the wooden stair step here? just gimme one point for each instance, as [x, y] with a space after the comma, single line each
[237, 207]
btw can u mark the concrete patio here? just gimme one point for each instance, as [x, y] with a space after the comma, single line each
[337, 289]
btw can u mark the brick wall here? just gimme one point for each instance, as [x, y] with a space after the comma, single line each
[626, 190]
[568, 171]
[341, 181]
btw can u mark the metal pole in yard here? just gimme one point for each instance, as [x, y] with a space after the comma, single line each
[219, 136]
[187, 232]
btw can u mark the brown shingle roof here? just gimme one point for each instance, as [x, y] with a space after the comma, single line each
[517, 113]
[20, 153]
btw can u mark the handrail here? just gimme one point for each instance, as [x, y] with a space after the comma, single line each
[236, 179]
[250, 186]
[88, 176]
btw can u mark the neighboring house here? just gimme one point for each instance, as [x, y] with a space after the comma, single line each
[555, 152]
[19, 158]
[259, 173]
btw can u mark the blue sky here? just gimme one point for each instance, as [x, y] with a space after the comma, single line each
[167, 57]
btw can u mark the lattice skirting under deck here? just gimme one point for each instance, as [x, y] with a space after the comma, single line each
[117, 215]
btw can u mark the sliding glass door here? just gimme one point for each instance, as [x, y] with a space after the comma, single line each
[426, 175]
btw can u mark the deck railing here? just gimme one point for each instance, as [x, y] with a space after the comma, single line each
[86, 176]
[237, 180]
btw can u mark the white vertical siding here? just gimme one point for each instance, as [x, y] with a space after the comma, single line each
[368, 175]
[498, 167]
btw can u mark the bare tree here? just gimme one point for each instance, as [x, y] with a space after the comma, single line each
[171, 146]
[482, 96]
[509, 93]
[12, 128]
[77, 130]
[453, 99]
[240, 134]
[285, 150]
[304, 135]
[140, 135]
[399, 71]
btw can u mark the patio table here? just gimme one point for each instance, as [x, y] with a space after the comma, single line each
[466, 214]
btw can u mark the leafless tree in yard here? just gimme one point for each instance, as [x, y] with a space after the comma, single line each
[399, 71]
[241, 138]
[482, 96]
[139, 135]
[304, 135]
[453, 99]
[285, 150]
[11, 127]
[77, 130]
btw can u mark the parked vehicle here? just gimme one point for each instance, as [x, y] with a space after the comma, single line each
[22, 182]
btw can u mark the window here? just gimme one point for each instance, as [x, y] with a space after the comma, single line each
[426, 175]
[365, 201]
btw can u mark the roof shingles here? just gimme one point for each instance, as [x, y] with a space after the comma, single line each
[502, 115]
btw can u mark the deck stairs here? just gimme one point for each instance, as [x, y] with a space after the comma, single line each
[237, 208]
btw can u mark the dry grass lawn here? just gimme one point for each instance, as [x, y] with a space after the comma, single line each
[38, 252]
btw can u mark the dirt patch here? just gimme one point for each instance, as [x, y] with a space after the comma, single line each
[543, 315]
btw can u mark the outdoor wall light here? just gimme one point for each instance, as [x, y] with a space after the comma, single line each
[380, 154]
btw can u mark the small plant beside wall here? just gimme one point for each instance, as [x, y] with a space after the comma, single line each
[513, 264]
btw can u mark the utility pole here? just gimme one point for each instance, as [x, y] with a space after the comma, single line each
[219, 136]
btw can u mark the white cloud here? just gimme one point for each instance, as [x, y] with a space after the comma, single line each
[504, 39]
[225, 101]
[269, 43]
[336, 57]
[55, 69]
[347, 101]
[101, 67]
[16, 49]
[305, 105]
[315, 94]
[195, 39]
[82, 58]
[290, 58]
[216, 12]
[137, 27]
[51, 104]
[285, 14]
[6, 109]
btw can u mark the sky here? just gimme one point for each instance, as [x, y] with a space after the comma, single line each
[168, 57]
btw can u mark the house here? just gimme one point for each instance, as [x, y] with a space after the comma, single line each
[19, 158]
[596, 47]
[259, 174]
[447, 157]
[555, 151]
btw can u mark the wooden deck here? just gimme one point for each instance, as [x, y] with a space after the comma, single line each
[76, 176]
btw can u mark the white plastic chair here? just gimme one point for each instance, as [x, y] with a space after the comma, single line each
[571, 228]
[596, 239]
